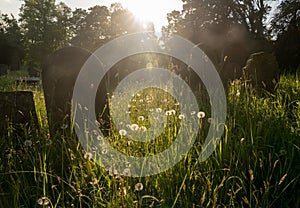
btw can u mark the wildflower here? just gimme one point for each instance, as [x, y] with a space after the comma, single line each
[98, 123]
[201, 114]
[99, 138]
[28, 143]
[168, 113]
[64, 126]
[122, 132]
[49, 142]
[138, 187]
[43, 201]
[94, 181]
[88, 156]
[181, 116]
[134, 127]
[259, 123]
[173, 112]
[129, 143]
[282, 152]
[267, 117]
[112, 170]
[126, 172]
[141, 118]
[124, 190]
[142, 128]
[104, 151]
[158, 110]
[9, 155]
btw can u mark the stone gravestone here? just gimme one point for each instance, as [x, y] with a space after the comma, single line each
[261, 69]
[17, 114]
[59, 74]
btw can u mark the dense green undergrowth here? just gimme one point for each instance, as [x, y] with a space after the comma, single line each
[255, 165]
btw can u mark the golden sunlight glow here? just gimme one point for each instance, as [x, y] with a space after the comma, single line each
[151, 10]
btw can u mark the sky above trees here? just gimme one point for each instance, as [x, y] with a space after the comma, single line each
[157, 12]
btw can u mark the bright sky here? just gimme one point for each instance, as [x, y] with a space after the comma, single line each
[145, 10]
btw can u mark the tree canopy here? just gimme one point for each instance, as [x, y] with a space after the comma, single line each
[228, 31]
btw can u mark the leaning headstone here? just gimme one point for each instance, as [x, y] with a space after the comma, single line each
[17, 115]
[3, 69]
[262, 68]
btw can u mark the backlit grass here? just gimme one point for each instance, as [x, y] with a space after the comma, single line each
[255, 165]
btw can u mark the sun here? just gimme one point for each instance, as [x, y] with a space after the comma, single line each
[143, 10]
[151, 10]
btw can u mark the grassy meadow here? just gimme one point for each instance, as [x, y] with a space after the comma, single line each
[257, 163]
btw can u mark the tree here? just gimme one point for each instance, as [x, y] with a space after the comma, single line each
[99, 24]
[11, 42]
[228, 31]
[44, 27]
[94, 29]
[285, 25]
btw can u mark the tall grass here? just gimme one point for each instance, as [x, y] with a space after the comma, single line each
[255, 165]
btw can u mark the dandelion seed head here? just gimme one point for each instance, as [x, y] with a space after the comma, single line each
[158, 110]
[104, 151]
[64, 126]
[112, 171]
[181, 116]
[168, 113]
[28, 143]
[139, 187]
[201, 114]
[49, 142]
[142, 128]
[129, 143]
[267, 117]
[173, 112]
[44, 201]
[210, 120]
[134, 127]
[94, 181]
[141, 118]
[193, 112]
[122, 132]
[126, 172]
[88, 156]
[259, 123]
[79, 106]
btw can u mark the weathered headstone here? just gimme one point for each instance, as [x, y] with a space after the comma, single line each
[262, 68]
[59, 74]
[17, 114]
